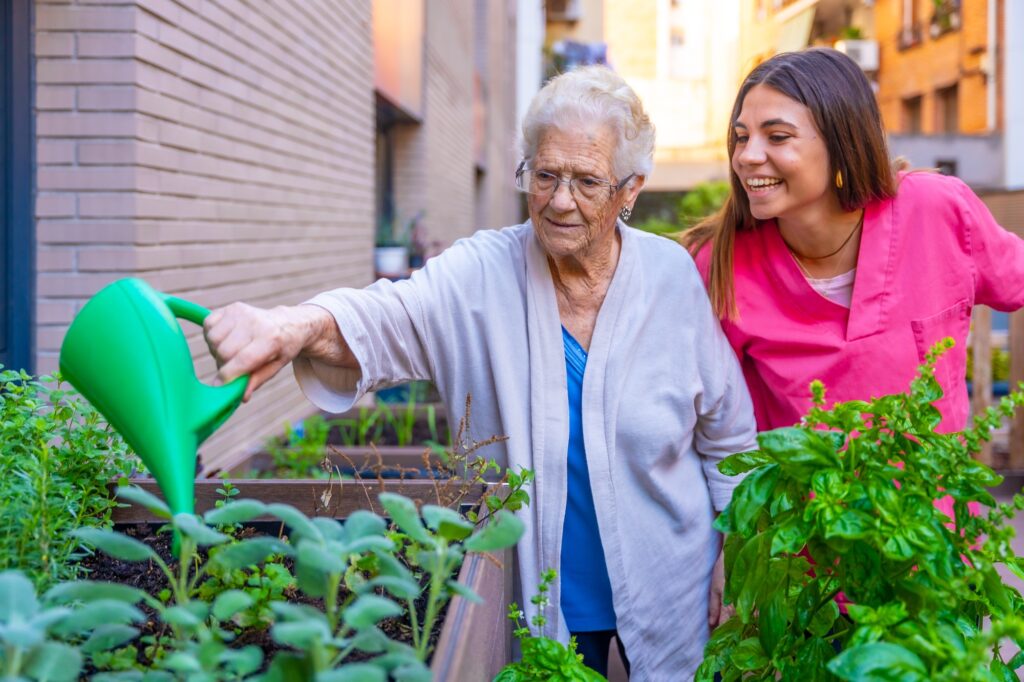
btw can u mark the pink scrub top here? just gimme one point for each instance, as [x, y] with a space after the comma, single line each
[927, 256]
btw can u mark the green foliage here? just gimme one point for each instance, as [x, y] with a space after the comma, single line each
[702, 201]
[363, 570]
[57, 457]
[1000, 364]
[544, 659]
[302, 453]
[844, 502]
[46, 639]
[303, 450]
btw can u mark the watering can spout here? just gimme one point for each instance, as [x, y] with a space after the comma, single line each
[127, 354]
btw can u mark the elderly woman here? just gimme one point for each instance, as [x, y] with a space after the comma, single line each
[591, 345]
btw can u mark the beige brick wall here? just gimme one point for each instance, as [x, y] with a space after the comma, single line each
[497, 204]
[221, 150]
[448, 120]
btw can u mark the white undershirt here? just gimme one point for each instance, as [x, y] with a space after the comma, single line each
[838, 289]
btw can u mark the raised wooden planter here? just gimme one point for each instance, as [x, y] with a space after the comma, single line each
[364, 458]
[476, 639]
[360, 457]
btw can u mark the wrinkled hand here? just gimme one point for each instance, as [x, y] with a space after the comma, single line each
[718, 612]
[257, 341]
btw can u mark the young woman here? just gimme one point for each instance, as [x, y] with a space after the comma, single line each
[826, 263]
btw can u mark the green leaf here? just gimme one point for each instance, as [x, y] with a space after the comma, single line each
[822, 621]
[851, 525]
[790, 535]
[97, 613]
[502, 530]
[772, 622]
[230, 602]
[354, 672]
[181, 617]
[116, 545]
[299, 524]
[201, 534]
[248, 552]
[235, 511]
[401, 588]
[403, 513]
[143, 498]
[880, 660]
[734, 465]
[370, 609]
[301, 634]
[89, 590]
[748, 655]
[362, 523]
[412, 672]
[17, 597]
[799, 450]
[449, 524]
[750, 497]
[54, 662]
[108, 636]
[1001, 672]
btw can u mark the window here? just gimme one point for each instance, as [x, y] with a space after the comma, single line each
[947, 110]
[912, 115]
[17, 238]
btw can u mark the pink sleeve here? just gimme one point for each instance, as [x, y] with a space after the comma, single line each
[998, 256]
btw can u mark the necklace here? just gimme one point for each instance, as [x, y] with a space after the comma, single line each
[800, 256]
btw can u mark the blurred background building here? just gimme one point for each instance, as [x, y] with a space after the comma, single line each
[226, 150]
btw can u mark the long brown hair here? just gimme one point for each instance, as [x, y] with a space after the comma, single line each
[844, 109]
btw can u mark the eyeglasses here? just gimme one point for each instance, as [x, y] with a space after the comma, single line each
[582, 187]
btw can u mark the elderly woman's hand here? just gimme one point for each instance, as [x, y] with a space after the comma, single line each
[718, 612]
[259, 342]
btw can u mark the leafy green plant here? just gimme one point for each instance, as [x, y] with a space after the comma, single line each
[544, 659]
[48, 638]
[844, 503]
[57, 458]
[703, 200]
[303, 450]
[1000, 364]
[362, 571]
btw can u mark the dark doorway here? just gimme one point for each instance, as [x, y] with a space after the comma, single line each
[17, 233]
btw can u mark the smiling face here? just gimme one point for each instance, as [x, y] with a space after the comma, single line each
[569, 226]
[781, 159]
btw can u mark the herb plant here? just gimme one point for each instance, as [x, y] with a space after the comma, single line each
[57, 458]
[544, 659]
[844, 503]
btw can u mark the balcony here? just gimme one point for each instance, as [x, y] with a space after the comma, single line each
[945, 19]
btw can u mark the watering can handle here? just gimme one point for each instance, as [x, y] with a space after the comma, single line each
[187, 310]
[228, 395]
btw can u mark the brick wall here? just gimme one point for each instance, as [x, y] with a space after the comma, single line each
[448, 121]
[497, 204]
[221, 150]
[953, 58]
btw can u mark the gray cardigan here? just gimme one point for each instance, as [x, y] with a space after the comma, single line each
[663, 401]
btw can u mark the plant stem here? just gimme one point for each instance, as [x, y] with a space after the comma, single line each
[331, 600]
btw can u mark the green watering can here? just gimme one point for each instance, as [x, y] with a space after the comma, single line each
[126, 353]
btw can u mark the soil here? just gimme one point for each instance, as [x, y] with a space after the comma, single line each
[147, 576]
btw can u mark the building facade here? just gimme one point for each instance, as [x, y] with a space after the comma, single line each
[224, 150]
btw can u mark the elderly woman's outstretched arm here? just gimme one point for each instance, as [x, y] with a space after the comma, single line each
[259, 342]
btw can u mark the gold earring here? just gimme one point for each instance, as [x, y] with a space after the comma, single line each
[839, 179]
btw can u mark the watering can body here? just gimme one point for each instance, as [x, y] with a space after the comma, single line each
[127, 354]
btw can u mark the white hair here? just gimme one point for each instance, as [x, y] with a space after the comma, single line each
[594, 94]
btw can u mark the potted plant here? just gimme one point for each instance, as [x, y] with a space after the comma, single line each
[844, 504]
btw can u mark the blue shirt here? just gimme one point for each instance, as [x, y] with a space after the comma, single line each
[586, 589]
